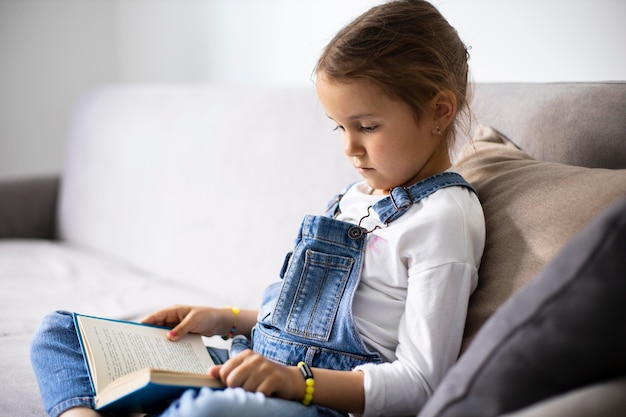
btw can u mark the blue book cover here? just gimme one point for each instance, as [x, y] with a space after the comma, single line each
[134, 368]
[150, 390]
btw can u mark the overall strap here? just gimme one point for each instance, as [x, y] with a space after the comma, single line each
[400, 199]
[332, 208]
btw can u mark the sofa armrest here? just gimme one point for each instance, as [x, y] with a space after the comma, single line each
[28, 207]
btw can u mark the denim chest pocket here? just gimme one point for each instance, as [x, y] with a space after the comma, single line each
[311, 293]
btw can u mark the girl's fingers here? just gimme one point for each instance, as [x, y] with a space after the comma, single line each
[153, 318]
[250, 371]
[169, 316]
[189, 319]
[229, 367]
[174, 316]
[181, 329]
[214, 371]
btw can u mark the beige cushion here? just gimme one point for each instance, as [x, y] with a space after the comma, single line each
[532, 208]
[584, 121]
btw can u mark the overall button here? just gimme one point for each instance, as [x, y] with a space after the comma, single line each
[356, 232]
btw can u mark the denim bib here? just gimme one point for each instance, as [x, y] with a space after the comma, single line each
[308, 316]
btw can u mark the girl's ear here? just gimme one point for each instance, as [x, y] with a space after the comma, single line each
[445, 108]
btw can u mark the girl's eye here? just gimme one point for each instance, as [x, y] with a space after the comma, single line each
[365, 129]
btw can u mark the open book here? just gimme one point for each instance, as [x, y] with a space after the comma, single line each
[134, 368]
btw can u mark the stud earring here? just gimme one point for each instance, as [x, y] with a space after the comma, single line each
[437, 131]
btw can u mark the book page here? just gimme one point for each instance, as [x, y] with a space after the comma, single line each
[116, 348]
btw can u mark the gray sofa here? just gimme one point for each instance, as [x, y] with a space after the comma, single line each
[192, 194]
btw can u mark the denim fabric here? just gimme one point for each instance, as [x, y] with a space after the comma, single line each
[236, 402]
[308, 317]
[59, 364]
[401, 198]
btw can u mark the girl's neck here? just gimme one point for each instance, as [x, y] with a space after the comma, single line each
[378, 192]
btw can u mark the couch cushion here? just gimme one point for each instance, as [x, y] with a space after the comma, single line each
[532, 208]
[584, 122]
[41, 276]
[47, 276]
[20, 393]
[562, 331]
[203, 184]
[604, 399]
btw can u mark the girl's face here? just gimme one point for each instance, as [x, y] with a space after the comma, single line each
[381, 136]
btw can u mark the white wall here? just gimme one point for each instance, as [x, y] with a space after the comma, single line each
[52, 51]
[542, 40]
[511, 40]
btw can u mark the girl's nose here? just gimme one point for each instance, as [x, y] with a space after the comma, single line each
[351, 144]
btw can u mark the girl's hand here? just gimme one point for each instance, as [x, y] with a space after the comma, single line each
[206, 321]
[255, 373]
[341, 390]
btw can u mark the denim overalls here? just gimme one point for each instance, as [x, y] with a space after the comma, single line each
[308, 316]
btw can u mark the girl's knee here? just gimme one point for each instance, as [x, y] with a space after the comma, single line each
[56, 320]
[52, 327]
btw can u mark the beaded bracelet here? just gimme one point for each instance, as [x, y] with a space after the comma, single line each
[309, 381]
[233, 328]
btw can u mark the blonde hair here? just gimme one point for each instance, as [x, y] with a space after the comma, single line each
[407, 48]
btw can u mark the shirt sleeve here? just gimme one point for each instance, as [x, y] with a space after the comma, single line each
[430, 337]
[442, 273]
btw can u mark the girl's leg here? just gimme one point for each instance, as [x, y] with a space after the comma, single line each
[59, 365]
[235, 402]
[80, 412]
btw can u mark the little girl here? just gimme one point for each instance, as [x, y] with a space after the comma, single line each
[370, 310]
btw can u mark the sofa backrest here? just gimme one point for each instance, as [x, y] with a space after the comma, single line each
[585, 122]
[207, 185]
[202, 184]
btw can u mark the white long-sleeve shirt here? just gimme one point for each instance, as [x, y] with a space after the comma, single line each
[411, 303]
